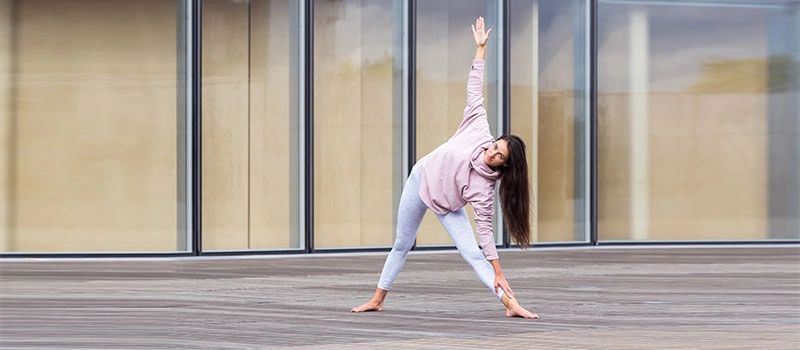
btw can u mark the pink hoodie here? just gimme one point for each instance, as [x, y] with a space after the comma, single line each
[455, 173]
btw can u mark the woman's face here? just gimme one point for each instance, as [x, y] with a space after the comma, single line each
[497, 154]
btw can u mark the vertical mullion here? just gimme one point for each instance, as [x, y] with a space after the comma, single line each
[194, 85]
[410, 78]
[307, 36]
[411, 81]
[505, 98]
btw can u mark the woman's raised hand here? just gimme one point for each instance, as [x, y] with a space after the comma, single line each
[479, 33]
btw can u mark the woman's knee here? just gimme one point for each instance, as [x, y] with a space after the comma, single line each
[472, 256]
[403, 244]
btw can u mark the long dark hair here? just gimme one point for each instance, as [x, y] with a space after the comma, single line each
[515, 196]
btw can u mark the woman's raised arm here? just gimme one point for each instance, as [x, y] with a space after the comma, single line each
[474, 109]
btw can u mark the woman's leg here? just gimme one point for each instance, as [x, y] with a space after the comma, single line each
[457, 225]
[410, 213]
[460, 230]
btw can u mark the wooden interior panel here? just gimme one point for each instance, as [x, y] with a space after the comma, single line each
[549, 130]
[225, 125]
[381, 163]
[270, 145]
[95, 126]
[708, 175]
[556, 200]
[613, 168]
[6, 25]
[354, 164]
[379, 166]
[524, 123]
[337, 131]
[551, 159]
[707, 165]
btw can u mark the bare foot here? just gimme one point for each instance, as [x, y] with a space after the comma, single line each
[374, 304]
[368, 306]
[514, 309]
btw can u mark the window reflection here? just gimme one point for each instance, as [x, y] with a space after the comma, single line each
[698, 121]
[356, 130]
[549, 109]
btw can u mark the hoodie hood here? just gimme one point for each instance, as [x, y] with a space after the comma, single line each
[479, 165]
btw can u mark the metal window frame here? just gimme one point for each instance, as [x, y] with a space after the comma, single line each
[195, 68]
[307, 115]
[593, 122]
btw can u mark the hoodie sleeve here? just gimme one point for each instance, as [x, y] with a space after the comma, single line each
[484, 213]
[474, 112]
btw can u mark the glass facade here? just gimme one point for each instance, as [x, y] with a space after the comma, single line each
[549, 107]
[445, 51]
[356, 123]
[89, 129]
[698, 120]
[289, 125]
[250, 133]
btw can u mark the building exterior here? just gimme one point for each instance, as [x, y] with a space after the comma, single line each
[228, 126]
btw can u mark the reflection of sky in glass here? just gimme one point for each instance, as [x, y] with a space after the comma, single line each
[445, 46]
[681, 40]
[357, 32]
[556, 43]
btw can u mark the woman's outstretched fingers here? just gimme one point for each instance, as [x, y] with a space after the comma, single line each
[478, 31]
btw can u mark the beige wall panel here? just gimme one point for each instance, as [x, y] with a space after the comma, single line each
[613, 167]
[270, 122]
[556, 199]
[381, 168]
[557, 135]
[337, 124]
[225, 125]
[522, 125]
[707, 167]
[353, 113]
[337, 171]
[378, 162]
[709, 171]
[5, 122]
[96, 126]
[524, 96]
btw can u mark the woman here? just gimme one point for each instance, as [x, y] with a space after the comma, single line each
[464, 170]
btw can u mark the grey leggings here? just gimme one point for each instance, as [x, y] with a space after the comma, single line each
[457, 225]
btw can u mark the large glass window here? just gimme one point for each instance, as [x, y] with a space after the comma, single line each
[89, 157]
[357, 128]
[549, 110]
[250, 124]
[698, 120]
[445, 50]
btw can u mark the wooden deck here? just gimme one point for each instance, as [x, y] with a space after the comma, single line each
[588, 298]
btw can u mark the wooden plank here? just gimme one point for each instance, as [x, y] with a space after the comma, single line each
[622, 298]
